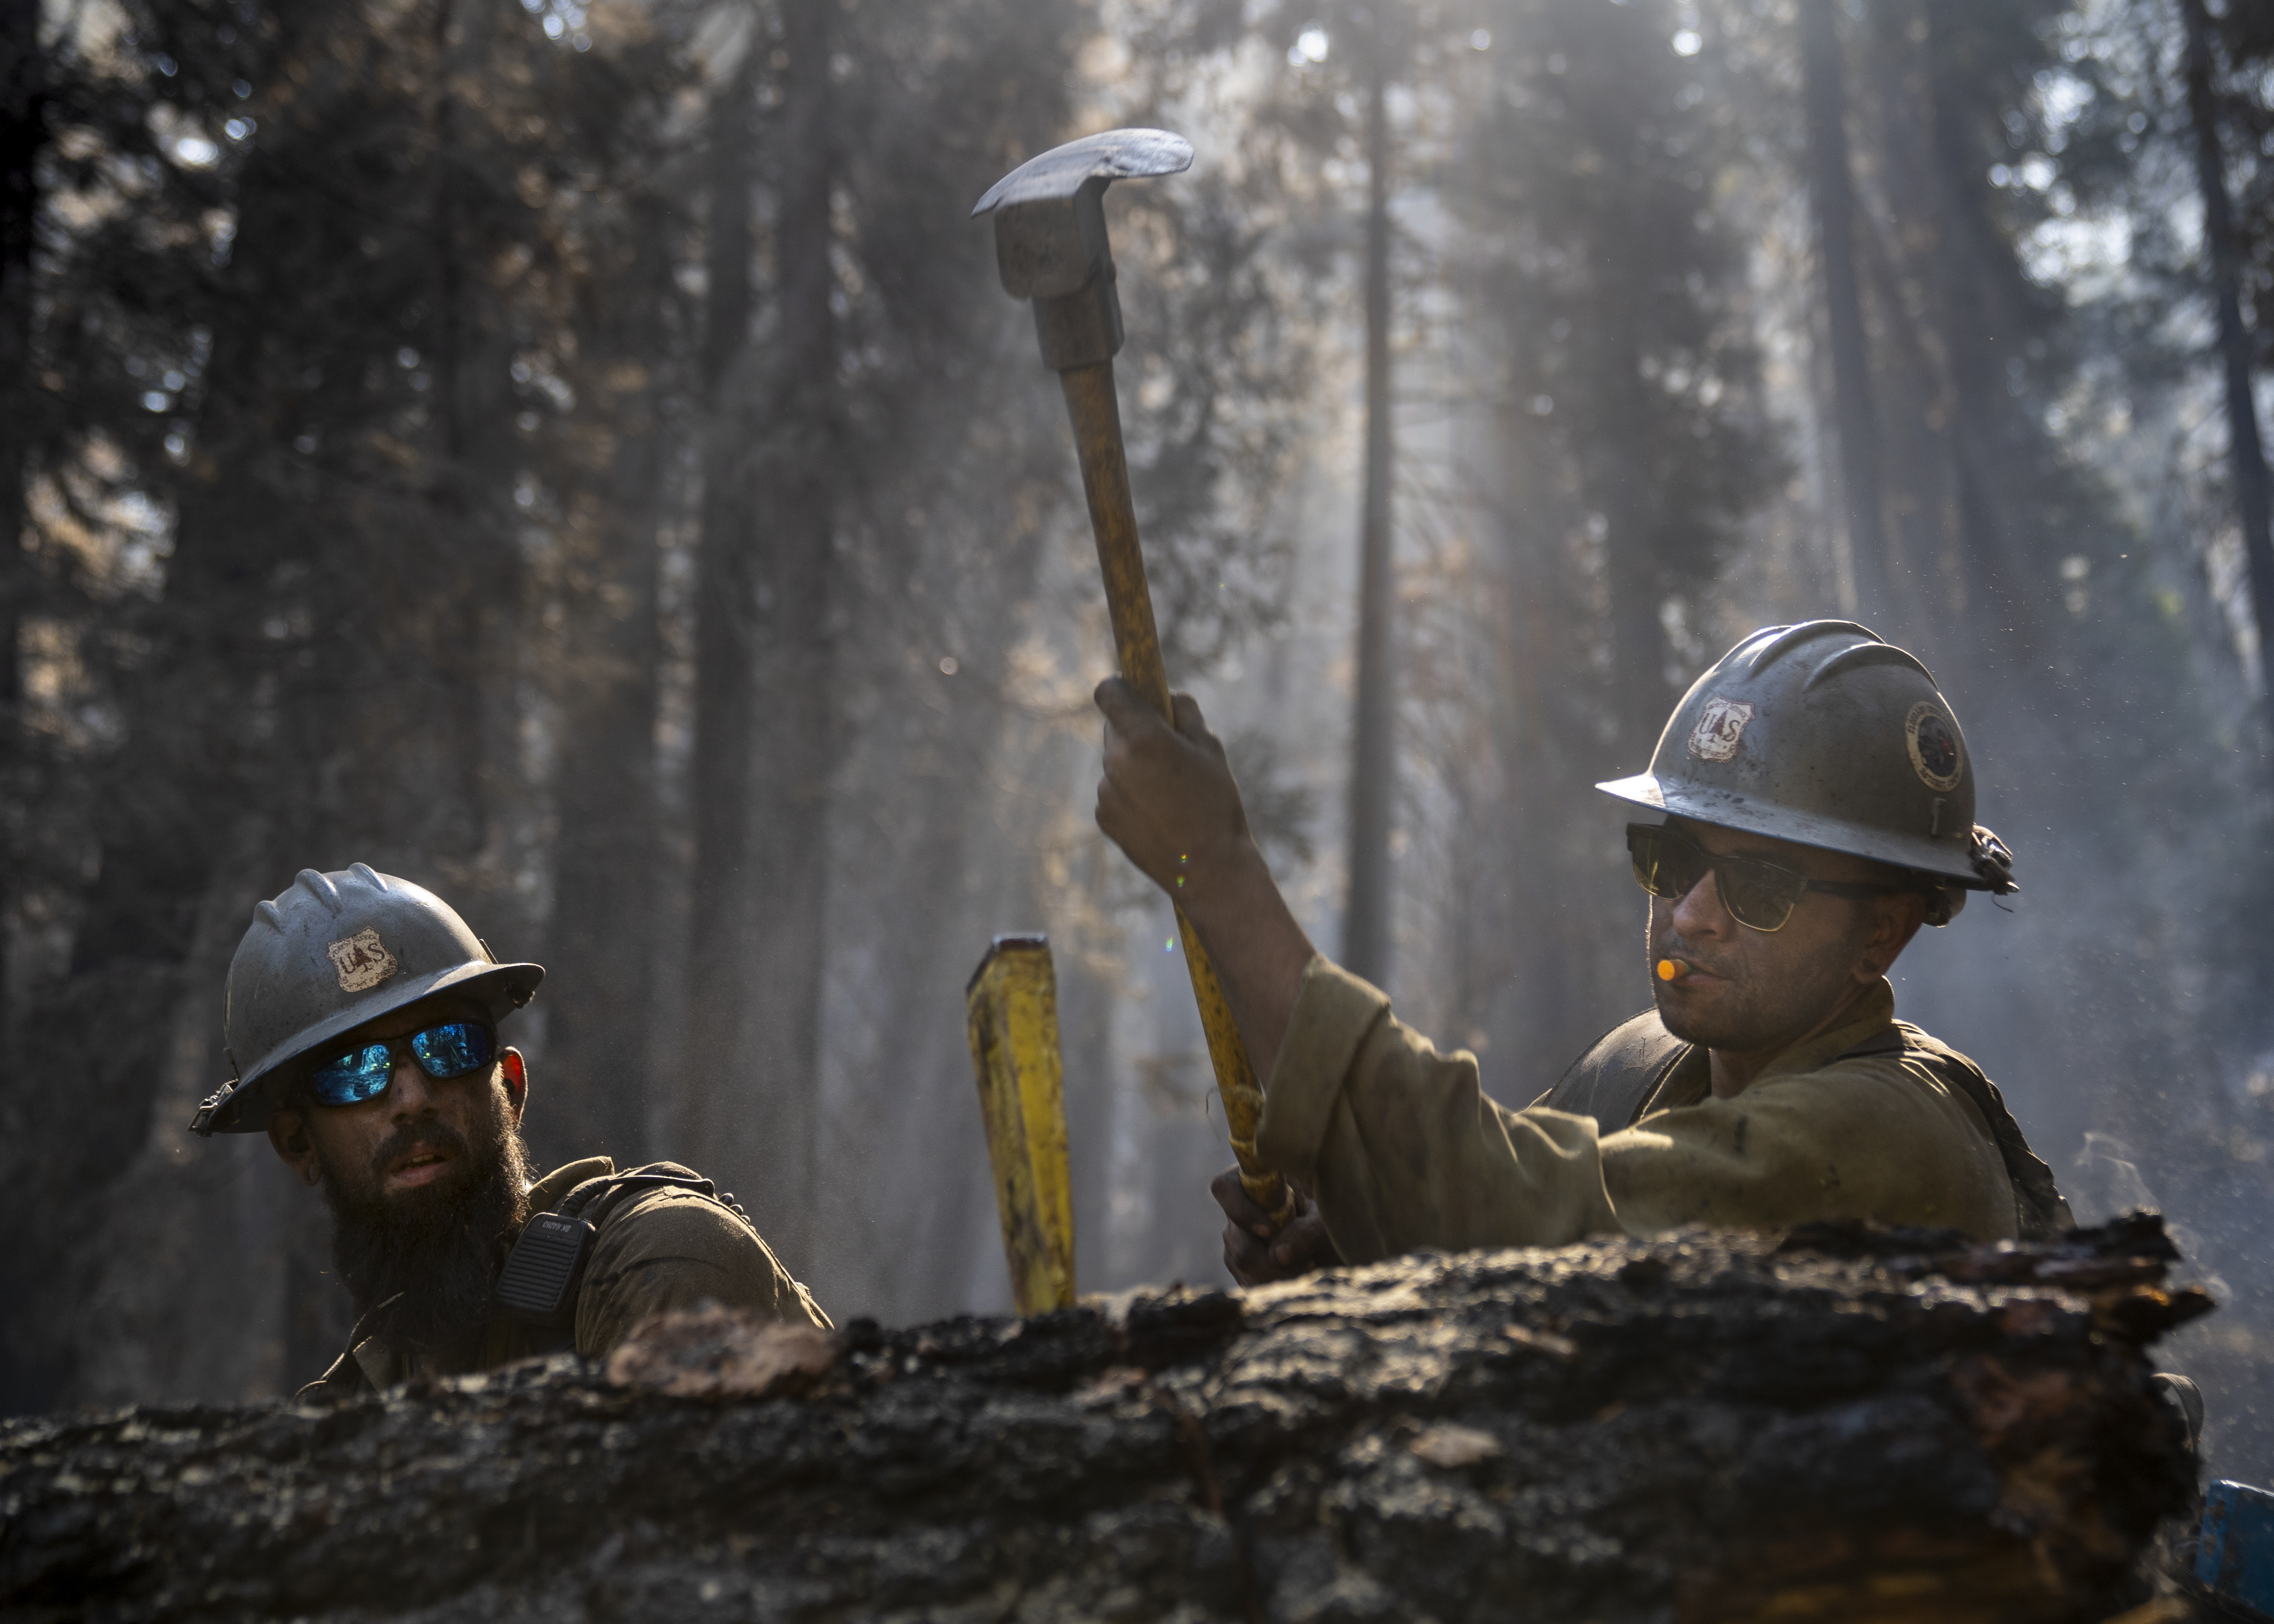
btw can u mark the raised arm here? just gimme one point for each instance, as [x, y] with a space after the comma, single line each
[1169, 800]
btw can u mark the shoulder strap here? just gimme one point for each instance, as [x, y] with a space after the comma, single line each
[597, 1199]
[544, 1274]
[2039, 1211]
[1619, 1073]
[348, 1373]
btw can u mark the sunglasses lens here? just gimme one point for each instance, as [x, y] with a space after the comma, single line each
[454, 1050]
[1758, 894]
[358, 1075]
[1665, 864]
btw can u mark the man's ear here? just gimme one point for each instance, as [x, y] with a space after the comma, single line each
[287, 1136]
[517, 1080]
[1895, 922]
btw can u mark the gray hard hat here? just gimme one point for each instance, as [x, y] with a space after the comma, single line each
[1825, 735]
[332, 952]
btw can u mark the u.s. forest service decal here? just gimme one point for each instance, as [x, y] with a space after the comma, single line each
[362, 961]
[1933, 745]
[1720, 725]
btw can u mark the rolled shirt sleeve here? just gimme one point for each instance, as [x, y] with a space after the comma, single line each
[1400, 1146]
[1401, 1149]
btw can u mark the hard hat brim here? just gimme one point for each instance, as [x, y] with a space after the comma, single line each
[1946, 858]
[501, 989]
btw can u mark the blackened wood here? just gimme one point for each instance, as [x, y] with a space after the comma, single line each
[1842, 1425]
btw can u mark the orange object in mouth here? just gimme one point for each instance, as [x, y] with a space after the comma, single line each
[1673, 969]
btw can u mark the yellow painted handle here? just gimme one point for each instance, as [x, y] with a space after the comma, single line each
[1012, 1012]
[1097, 414]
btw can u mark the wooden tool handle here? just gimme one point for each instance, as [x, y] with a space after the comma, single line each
[1097, 414]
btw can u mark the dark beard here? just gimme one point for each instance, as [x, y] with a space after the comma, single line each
[435, 1251]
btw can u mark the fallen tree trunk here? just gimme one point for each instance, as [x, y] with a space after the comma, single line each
[1839, 1424]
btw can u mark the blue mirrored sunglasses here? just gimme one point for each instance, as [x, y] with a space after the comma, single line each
[451, 1049]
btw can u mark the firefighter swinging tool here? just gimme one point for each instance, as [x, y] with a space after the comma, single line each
[1010, 1009]
[1051, 247]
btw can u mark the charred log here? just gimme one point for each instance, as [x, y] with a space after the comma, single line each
[1837, 1423]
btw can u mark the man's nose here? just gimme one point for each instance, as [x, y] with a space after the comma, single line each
[409, 1092]
[1698, 912]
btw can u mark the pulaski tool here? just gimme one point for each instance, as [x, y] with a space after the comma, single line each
[1010, 1009]
[1051, 247]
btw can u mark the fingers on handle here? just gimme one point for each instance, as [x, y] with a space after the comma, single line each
[1270, 1193]
[1125, 713]
[1112, 806]
[1229, 1191]
[1245, 1258]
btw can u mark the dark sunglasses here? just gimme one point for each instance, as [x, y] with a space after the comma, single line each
[1760, 895]
[452, 1050]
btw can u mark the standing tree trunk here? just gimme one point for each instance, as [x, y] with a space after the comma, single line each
[1622, 482]
[776, 1117]
[1374, 757]
[452, 490]
[604, 856]
[726, 601]
[1981, 338]
[2247, 453]
[23, 130]
[472, 469]
[1824, 89]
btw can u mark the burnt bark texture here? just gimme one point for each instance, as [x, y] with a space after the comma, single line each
[1837, 1423]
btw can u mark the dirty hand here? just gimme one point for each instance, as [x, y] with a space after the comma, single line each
[1253, 1253]
[1168, 799]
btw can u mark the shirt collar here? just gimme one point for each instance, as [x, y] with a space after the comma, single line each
[1874, 1013]
[545, 1193]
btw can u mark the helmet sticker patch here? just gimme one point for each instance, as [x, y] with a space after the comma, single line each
[1721, 725]
[362, 961]
[1933, 746]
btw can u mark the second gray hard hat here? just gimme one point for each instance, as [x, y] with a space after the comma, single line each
[332, 951]
[1825, 735]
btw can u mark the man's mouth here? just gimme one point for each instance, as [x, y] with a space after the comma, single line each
[1685, 972]
[422, 1164]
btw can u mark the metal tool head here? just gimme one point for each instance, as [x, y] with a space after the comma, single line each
[1049, 225]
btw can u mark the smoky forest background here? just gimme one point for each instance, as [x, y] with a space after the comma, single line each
[577, 456]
